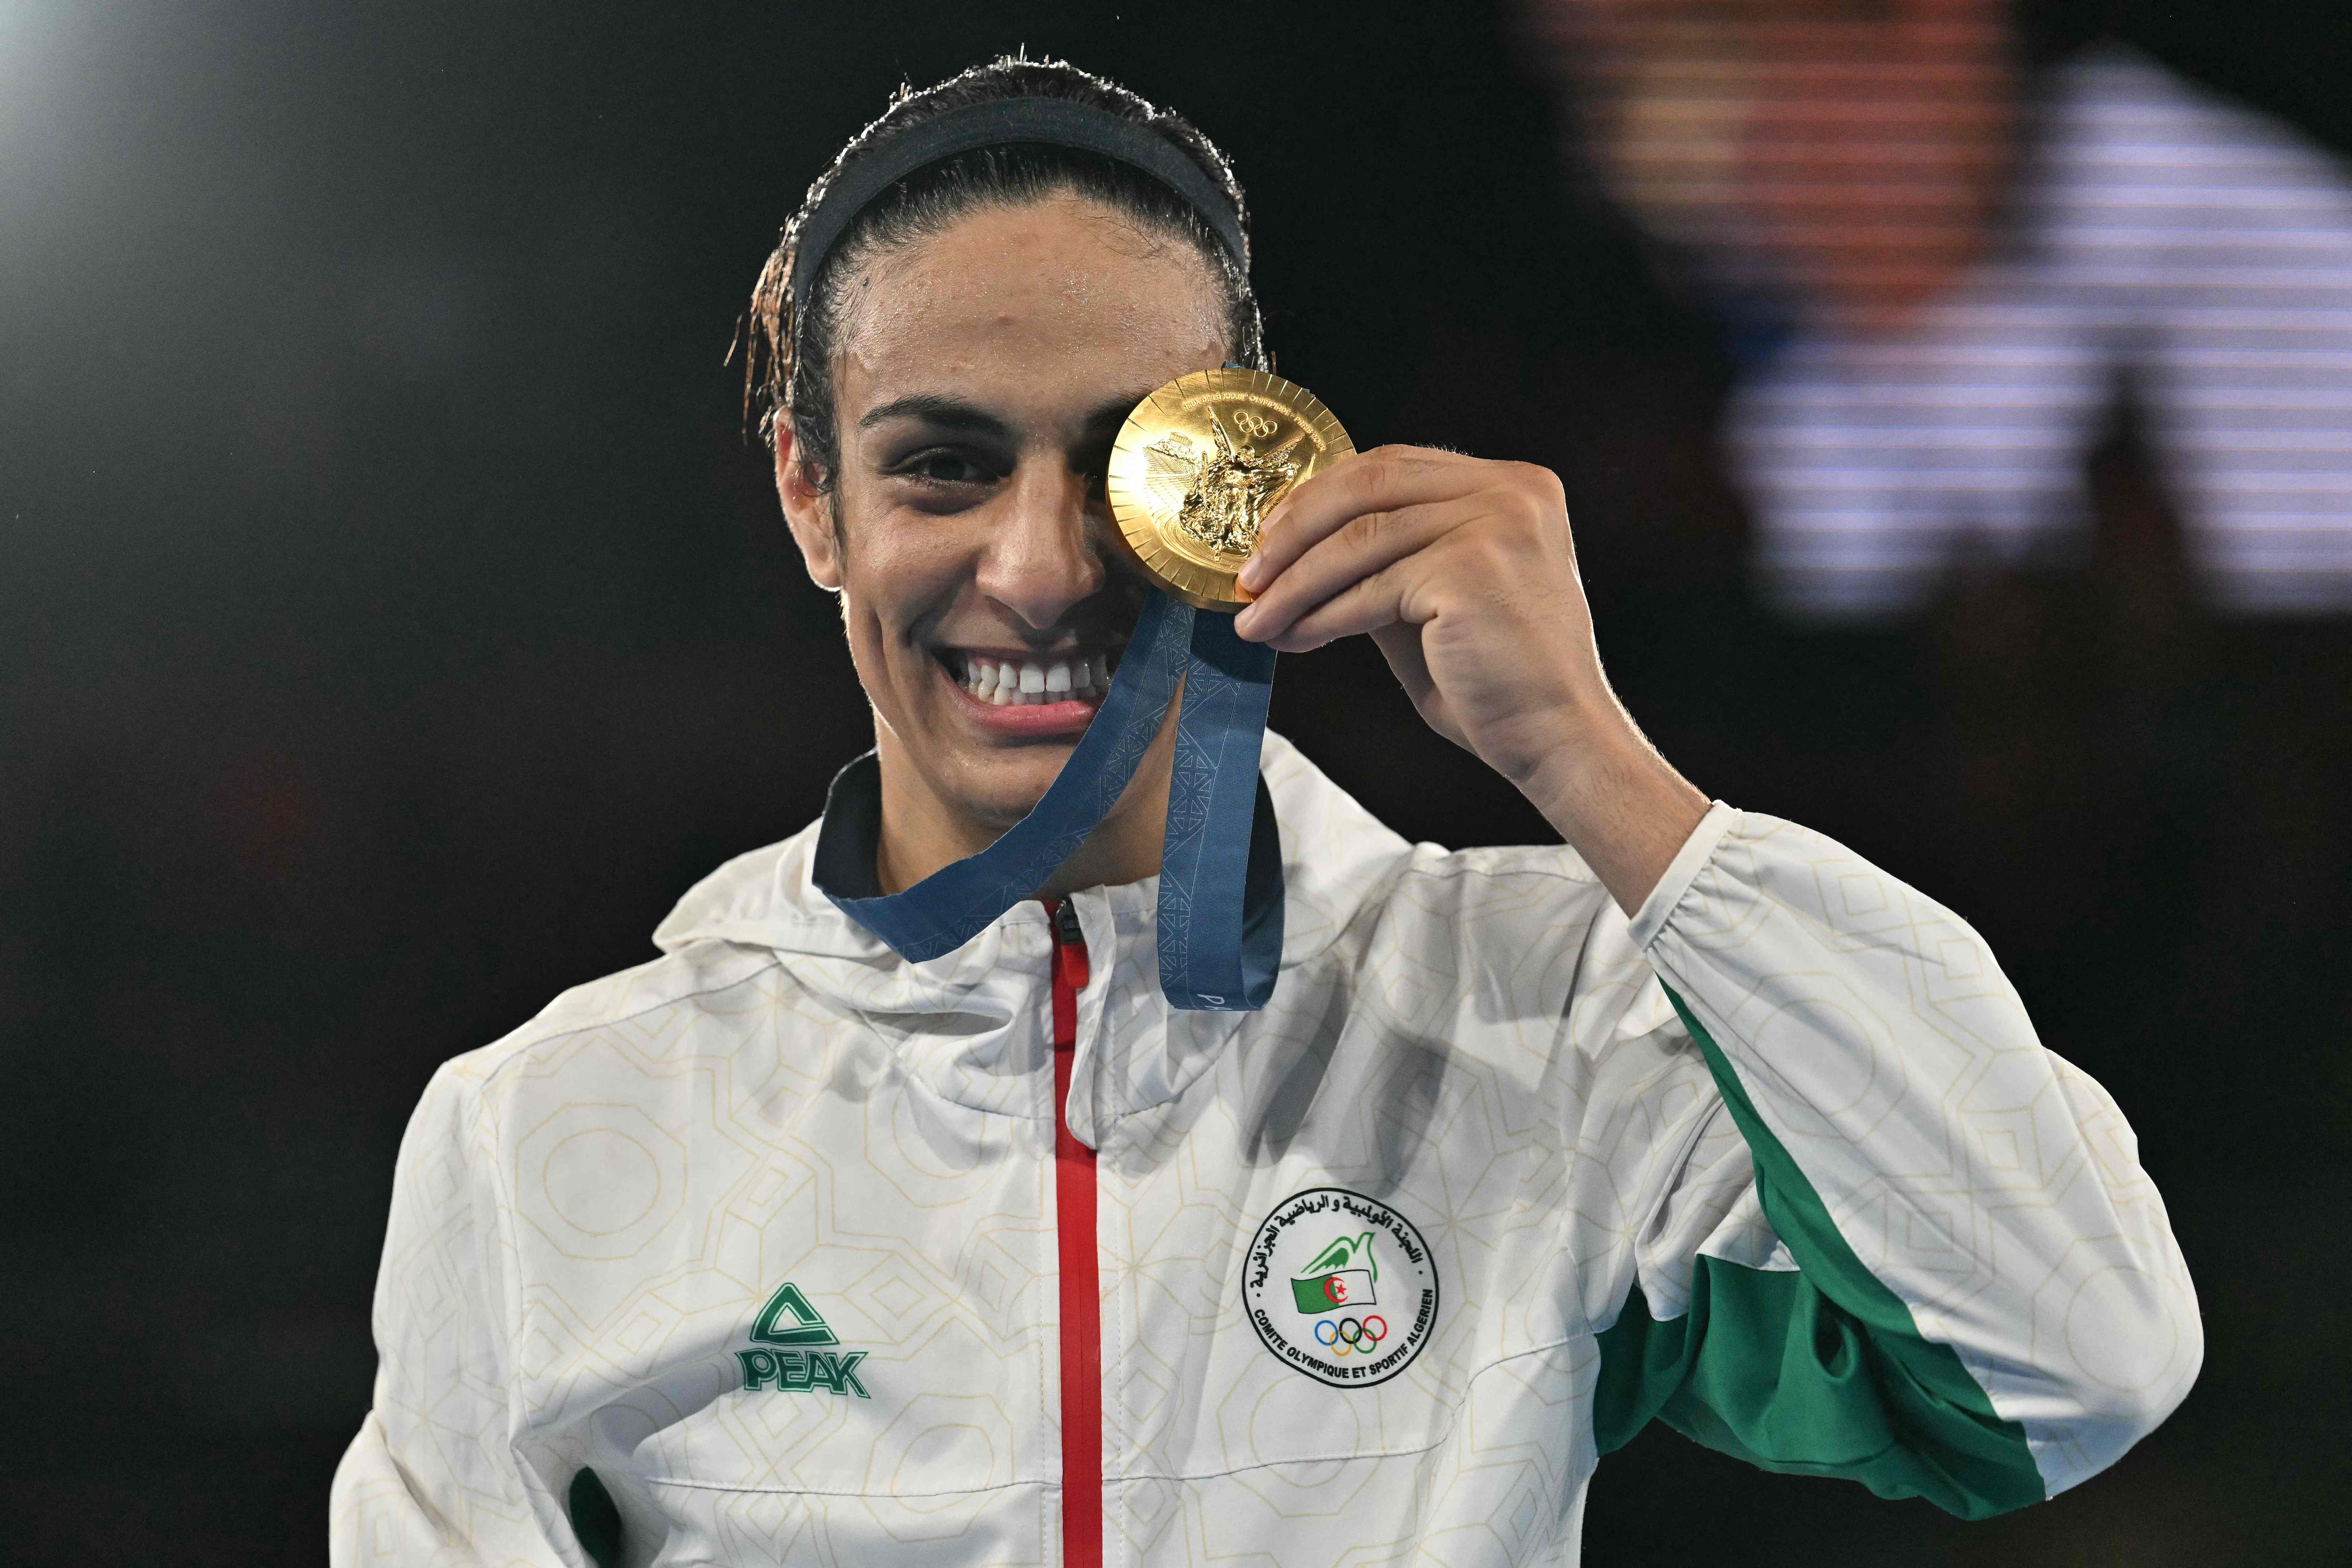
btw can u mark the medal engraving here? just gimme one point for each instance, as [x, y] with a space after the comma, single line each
[1226, 494]
[1199, 464]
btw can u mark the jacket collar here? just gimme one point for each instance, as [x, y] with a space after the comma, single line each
[844, 862]
[964, 1022]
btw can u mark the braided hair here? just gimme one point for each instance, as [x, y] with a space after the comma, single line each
[787, 368]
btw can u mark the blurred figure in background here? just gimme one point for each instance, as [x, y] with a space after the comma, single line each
[1949, 274]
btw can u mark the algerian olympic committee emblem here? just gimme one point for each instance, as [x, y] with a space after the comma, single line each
[1341, 1287]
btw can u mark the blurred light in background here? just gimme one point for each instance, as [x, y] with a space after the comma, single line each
[1955, 273]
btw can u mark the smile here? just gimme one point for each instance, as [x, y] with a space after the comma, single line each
[1003, 683]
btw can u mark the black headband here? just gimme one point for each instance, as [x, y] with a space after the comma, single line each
[1052, 121]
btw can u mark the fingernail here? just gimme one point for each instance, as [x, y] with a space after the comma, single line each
[1243, 621]
[1252, 572]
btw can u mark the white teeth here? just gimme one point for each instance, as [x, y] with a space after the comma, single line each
[1005, 684]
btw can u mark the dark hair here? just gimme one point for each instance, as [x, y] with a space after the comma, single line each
[787, 373]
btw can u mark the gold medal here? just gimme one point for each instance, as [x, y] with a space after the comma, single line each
[1197, 465]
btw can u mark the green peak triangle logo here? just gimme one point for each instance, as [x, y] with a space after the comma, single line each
[789, 1320]
[784, 1354]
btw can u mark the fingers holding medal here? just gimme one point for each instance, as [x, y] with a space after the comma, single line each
[1237, 491]
[1463, 570]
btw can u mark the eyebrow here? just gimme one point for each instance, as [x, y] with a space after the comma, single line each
[954, 413]
[934, 408]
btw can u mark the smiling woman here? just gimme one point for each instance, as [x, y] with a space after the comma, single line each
[1578, 1121]
[941, 375]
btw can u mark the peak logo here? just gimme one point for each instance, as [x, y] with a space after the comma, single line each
[784, 1354]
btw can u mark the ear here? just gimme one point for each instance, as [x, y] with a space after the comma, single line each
[807, 513]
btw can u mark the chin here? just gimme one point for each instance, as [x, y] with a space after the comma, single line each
[1001, 790]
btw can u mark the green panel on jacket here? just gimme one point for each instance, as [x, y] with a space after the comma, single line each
[1819, 1372]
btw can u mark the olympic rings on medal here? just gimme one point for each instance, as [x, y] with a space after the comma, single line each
[1351, 1334]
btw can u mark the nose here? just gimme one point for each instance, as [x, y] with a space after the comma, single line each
[1040, 558]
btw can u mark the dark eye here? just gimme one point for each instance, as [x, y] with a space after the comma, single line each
[943, 466]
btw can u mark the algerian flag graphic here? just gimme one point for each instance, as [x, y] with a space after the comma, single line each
[1341, 1276]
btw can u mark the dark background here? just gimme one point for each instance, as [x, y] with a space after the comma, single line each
[395, 623]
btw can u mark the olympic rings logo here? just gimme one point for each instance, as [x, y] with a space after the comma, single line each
[1349, 1336]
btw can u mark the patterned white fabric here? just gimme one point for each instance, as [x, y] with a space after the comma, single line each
[2161, 238]
[590, 1214]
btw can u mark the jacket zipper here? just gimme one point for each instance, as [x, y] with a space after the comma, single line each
[1073, 1226]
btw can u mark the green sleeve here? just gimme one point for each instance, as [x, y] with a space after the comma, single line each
[595, 1521]
[1817, 1372]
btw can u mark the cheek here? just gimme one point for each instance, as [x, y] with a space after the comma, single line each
[898, 577]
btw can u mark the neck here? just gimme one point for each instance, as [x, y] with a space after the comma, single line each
[923, 830]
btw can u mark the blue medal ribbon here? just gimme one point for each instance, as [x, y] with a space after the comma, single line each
[1211, 958]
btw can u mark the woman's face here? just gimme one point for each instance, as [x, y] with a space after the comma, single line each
[980, 378]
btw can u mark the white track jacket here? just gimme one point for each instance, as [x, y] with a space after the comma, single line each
[753, 1254]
